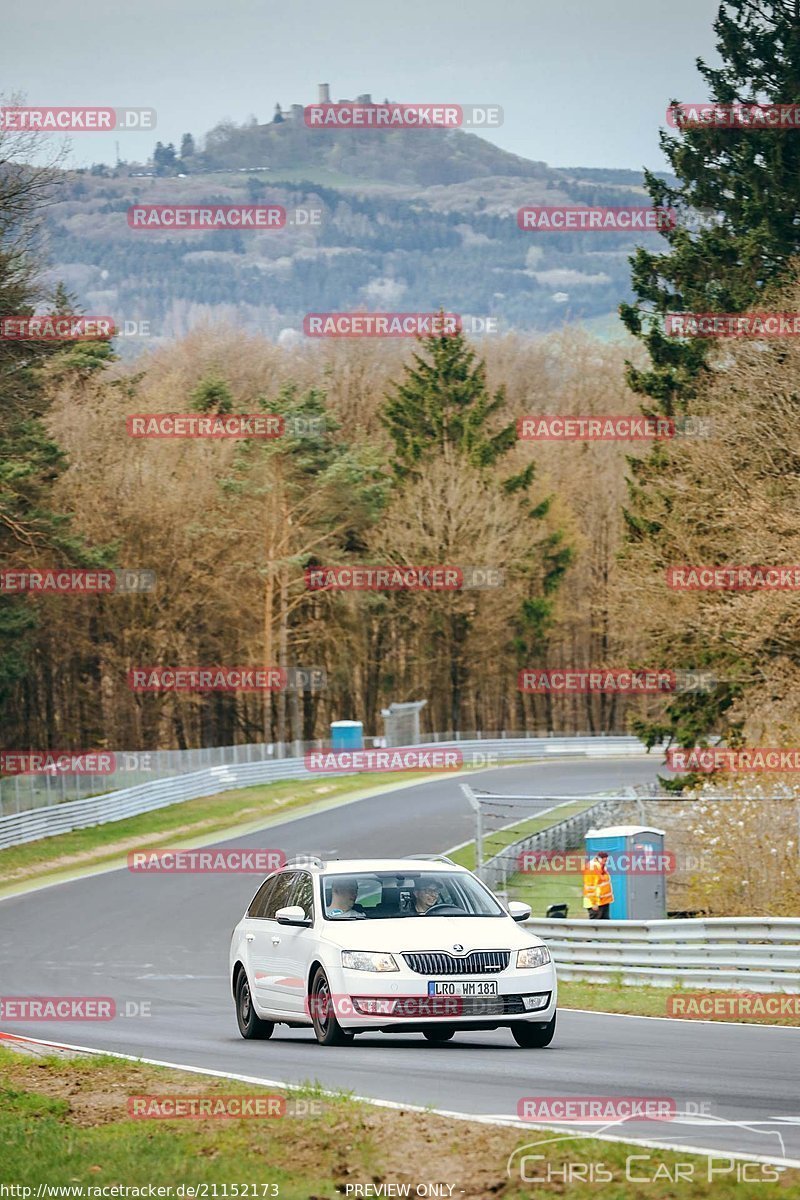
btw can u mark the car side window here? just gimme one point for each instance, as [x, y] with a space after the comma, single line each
[303, 893]
[261, 897]
[279, 896]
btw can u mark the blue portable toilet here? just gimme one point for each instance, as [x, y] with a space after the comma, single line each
[347, 735]
[637, 865]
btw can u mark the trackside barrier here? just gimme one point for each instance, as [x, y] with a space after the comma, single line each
[760, 954]
[48, 821]
[20, 792]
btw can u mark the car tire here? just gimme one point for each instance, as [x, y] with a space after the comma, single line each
[532, 1036]
[250, 1024]
[327, 1029]
[439, 1033]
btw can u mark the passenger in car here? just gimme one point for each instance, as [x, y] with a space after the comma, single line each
[343, 898]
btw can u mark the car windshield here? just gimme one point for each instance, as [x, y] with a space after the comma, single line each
[368, 895]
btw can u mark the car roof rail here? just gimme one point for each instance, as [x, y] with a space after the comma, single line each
[305, 860]
[433, 858]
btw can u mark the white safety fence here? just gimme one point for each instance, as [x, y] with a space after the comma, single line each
[125, 769]
[35, 823]
[739, 953]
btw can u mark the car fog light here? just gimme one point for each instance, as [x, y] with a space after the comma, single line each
[374, 1006]
[533, 1002]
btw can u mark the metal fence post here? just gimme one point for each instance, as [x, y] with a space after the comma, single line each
[476, 805]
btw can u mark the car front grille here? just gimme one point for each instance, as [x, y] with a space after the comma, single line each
[440, 962]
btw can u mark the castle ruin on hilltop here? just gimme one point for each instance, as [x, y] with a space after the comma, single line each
[295, 111]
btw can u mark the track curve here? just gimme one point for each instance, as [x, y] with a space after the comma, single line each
[163, 941]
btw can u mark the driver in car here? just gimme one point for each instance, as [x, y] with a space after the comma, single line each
[343, 898]
[427, 894]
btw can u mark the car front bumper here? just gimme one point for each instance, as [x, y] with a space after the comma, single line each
[401, 1000]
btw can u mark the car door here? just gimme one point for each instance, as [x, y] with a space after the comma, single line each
[263, 934]
[296, 948]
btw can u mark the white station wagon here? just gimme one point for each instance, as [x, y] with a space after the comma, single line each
[394, 945]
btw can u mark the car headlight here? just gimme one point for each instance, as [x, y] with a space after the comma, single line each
[533, 956]
[358, 960]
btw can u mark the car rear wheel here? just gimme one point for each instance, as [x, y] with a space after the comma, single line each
[528, 1034]
[250, 1024]
[439, 1033]
[323, 1017]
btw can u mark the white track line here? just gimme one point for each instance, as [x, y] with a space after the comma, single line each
[599, 1012]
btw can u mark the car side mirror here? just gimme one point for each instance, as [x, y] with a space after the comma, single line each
[293, 915]
[519, 911]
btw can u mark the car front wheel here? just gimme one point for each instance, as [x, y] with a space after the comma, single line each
[528, 1034]
[323, 1016]
[250, 1024]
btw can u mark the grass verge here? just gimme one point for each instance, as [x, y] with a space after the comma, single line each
[65, 1121]
[644, 1001]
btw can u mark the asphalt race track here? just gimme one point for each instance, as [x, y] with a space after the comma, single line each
[164, 940]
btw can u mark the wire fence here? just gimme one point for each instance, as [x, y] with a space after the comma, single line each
[45, 821]
[21, 792]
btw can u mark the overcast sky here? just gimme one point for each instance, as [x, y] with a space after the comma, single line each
[581, 82]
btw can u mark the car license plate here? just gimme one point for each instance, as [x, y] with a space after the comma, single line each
[461, 987]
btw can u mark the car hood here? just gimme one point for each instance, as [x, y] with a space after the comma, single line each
[429, 933]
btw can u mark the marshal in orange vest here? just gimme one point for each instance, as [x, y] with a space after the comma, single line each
[597, 889]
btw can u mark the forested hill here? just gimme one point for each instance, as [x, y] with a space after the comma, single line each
[411, 220]
[415, 157]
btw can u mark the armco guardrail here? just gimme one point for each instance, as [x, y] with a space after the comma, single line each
[44, 822]
[759, 954]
